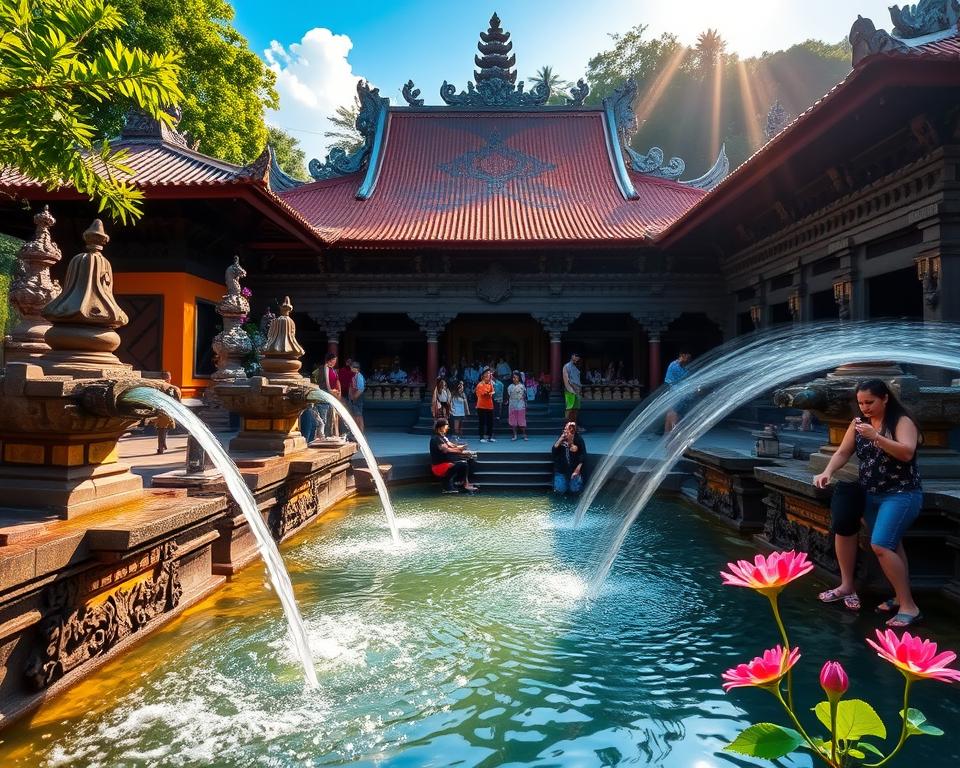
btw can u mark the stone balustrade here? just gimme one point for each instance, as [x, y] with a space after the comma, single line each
[393, 392]
[613, 392]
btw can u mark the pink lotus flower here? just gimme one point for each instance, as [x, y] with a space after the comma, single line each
[834, 680]
[763, 671]
[915, 657]
[768, 575]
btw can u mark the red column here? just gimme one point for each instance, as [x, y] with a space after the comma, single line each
[433, 359]
[555, 363]
[655, 375]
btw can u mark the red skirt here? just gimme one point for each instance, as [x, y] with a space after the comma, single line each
[440, 470]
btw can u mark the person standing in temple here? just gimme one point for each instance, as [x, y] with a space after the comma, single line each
[440, 402]
[676, 372]
[484, 392]
[572, 389]
[459, 408]
[330, 382]
[517, 406]
[358, 386]
[345, 374]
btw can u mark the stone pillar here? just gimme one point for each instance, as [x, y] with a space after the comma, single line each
[334, 325]
[555, 323]
[654, 325]
[432, 324]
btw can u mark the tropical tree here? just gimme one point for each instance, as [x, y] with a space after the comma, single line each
[631, 57]
[59, 61]
[556, 83]
[226, 86]
[286, 148]
[344, 119]
[709, 51]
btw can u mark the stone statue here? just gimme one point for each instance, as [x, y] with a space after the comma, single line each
[282, 352]
[232, 345]
[32, 289]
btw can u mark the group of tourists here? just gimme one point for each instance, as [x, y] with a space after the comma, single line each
[490, 394]
[346, 384]
[453, 462]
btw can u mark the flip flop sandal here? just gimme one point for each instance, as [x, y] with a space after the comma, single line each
[831, 596]
[888, 606]
[904, 620]
[852, 602]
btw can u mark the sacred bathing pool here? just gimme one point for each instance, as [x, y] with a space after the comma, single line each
[263, 601]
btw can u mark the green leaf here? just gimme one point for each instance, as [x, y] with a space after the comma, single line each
[917, 724]
[855, 719]
[766, 740]
[854, 752]
[866, 746]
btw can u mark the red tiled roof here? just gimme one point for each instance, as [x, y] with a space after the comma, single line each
[157, 163]
[481, 178]
[803, 128]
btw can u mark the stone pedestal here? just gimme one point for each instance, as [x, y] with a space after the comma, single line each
[74, 594]
[727, 487]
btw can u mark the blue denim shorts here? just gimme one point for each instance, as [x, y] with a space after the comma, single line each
[889, 515]
[563, 484]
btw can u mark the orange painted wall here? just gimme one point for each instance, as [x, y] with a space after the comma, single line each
[180, 292]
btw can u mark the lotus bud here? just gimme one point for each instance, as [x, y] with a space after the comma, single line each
[834, 680]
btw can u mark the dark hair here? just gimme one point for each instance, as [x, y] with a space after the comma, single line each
[440, 380]
[330, 356]
[440, 424]
[894, 410]
[684, 351]
[574, 354]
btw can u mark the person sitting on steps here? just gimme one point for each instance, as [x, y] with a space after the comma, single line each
[450, 462]
[569, 454]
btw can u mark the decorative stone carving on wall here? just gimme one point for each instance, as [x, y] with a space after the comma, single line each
[300, 506]
[715, 492]
[784, 533]
[494, 285]
[72, 631]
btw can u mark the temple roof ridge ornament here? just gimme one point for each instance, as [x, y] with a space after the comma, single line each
[278, 179]
[371, 122]
[496, 60]
[138, 125]
[717, 173]
[866, 41]
[622, 125]
[777, 120]
[927, 17]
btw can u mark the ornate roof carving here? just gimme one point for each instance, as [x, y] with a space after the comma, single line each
[866, 40]
[495, 92]
[777, 119]
[925, 18]
[619, 108]
[373, 108]
[138, 125]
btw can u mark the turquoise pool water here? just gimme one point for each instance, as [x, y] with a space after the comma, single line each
[473, 644]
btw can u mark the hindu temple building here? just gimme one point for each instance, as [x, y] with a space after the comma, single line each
[498, 224]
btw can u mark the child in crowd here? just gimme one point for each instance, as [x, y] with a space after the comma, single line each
[517, 406]
[459, 408]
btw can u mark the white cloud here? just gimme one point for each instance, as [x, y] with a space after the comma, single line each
[314, 77]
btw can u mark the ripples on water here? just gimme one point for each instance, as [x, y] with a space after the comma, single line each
[473, 643]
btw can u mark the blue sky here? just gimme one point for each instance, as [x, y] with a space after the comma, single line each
[320, 48]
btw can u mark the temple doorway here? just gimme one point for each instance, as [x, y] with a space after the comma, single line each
[482, 338]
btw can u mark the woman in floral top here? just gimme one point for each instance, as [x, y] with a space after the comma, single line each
[885, 442]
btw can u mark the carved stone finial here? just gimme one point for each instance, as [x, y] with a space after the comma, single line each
[578, 93]
[411, 94]
[338, 163]
[32, 289]
[282, 353]
[232, 344]
[84, 317]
